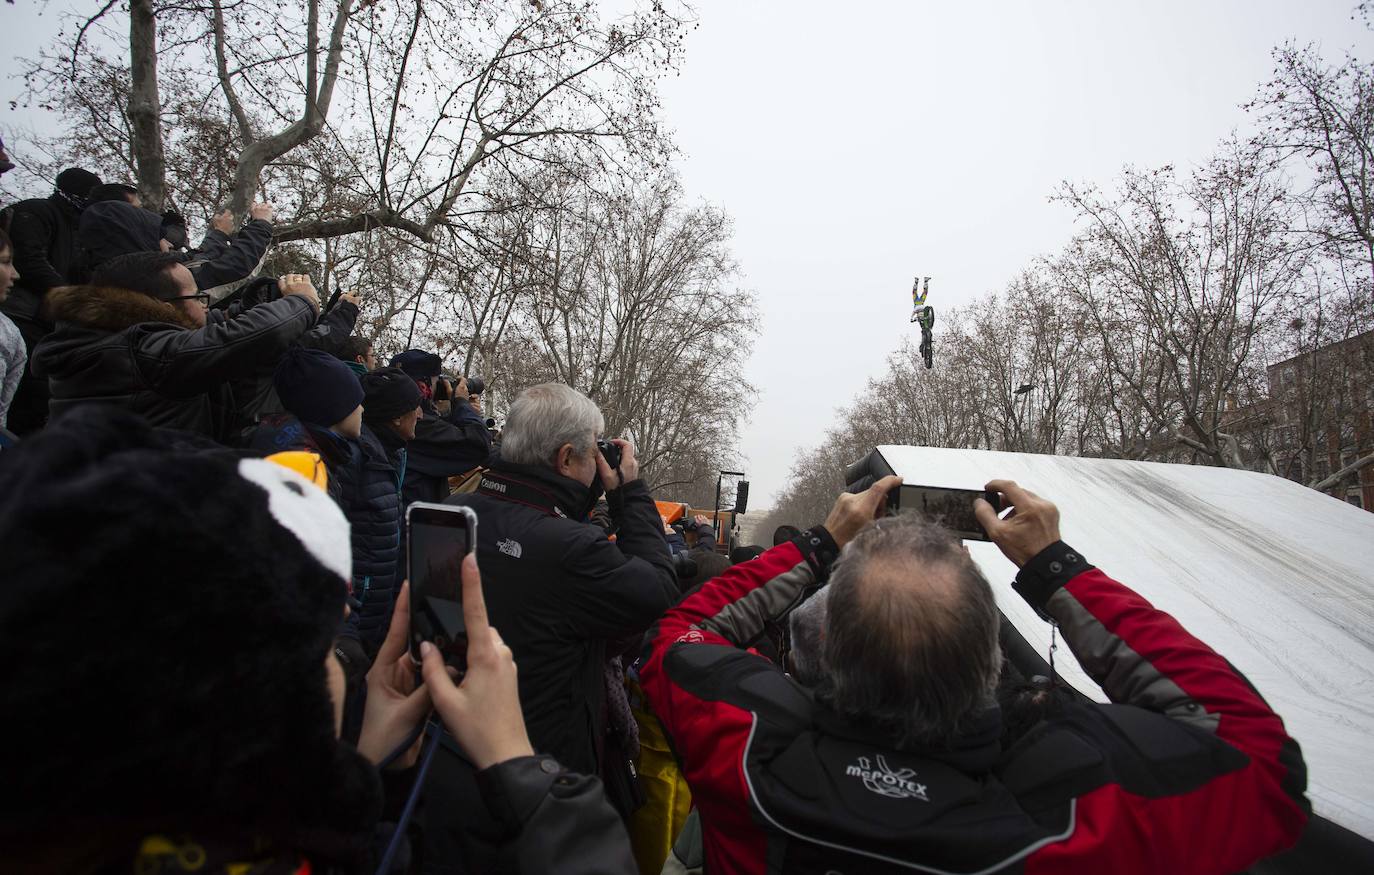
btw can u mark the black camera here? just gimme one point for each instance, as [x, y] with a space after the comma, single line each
[476, 386]
[611, 452]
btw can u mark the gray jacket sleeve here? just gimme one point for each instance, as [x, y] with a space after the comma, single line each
[554, 820]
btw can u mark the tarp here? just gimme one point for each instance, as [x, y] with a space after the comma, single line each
[1276, 577]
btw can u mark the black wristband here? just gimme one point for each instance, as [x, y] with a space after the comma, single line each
[1047, 571]
[819, 550]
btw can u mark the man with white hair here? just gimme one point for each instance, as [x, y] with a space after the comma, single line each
[558, 589]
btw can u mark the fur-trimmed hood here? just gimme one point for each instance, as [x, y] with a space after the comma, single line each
[110, 309]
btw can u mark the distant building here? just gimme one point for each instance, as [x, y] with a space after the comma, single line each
[1320, 417]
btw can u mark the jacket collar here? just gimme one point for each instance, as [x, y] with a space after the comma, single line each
[976, 748]
[109, 309]
[568, 495]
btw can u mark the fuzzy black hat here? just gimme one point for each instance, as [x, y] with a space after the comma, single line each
[77, 182]
[418, 364]
[164, 625]
[316, 387]
[388, 393]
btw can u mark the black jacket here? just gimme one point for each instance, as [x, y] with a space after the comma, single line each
[223, 270]
[114, 346]
[558, 590]
[113, 228]
[443, 447]
[43, 231]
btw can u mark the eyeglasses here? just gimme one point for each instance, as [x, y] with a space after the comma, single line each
[203, 297]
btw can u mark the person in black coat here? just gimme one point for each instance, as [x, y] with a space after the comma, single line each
[557, 587]
[116, 227]
[565, 597]
[447, 442]
[138, 338]
[43, 231]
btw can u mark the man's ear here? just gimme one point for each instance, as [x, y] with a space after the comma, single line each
[562, 460]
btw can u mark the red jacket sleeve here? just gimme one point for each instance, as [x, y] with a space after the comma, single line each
[1142, 656]
[707, 734]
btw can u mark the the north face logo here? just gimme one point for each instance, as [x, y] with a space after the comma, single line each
[510, 547]
[886, 782]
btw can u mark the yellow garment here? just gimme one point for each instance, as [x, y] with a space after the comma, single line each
[307, 464]
[655, 824]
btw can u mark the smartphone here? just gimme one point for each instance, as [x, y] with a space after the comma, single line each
[952, 508]
[438, 537]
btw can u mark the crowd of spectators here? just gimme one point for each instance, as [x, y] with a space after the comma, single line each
[206, 661]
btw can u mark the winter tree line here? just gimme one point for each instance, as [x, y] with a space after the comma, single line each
[493, 177]
[1150, 334]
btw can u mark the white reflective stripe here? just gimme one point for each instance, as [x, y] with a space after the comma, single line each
[1024, 852]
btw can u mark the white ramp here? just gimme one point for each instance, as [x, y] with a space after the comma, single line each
[1276, 577]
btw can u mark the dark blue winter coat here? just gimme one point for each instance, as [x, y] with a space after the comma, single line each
[365, 480]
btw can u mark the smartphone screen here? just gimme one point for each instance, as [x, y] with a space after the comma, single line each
[438, 537]
[952, 508]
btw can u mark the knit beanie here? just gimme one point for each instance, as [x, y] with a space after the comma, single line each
[77, 182]
[316, 387]
[164, 630]
[388, 393]
[419, 364]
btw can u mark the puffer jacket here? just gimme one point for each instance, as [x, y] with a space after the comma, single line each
[375, 510]
[114, 346]
[364, 480]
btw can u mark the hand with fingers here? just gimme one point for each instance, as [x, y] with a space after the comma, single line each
[1032, 525]
[483, 712]
[852, 512]
[396, 705]
[629, 466]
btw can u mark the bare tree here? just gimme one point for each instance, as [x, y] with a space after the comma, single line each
[1325, 116]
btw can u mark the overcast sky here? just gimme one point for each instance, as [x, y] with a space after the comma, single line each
[858, 148]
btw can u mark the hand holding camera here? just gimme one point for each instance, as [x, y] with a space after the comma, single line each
[617, 463]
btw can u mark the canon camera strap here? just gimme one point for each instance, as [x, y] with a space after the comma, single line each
[518, 491]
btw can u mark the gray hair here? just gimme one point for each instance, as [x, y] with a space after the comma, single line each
[807, 627]
[544, 418]
[910, 634]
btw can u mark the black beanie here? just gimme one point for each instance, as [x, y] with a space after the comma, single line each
[164, 630]
[77, 182]
[388, 393]
[316, 387]
[418, 364]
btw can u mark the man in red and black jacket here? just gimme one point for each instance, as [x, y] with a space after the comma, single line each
[893, 763]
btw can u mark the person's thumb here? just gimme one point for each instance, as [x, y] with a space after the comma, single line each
[987, 516]
[437, 681]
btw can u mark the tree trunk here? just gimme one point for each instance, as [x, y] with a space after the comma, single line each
[145, 105]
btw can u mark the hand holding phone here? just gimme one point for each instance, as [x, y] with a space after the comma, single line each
[1032, 526]
[439, 537]
[483, 712]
